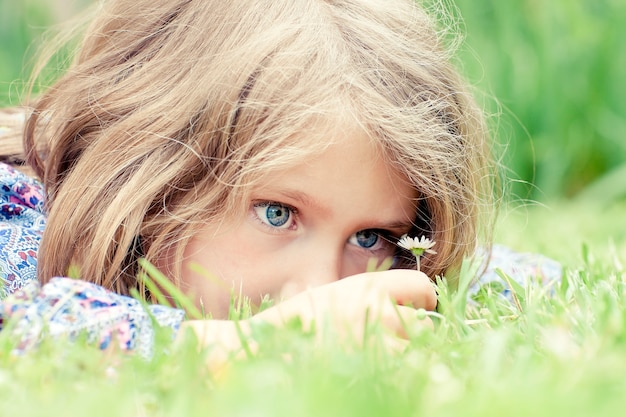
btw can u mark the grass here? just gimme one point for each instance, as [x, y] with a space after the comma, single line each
[20, 24]
[562, 355]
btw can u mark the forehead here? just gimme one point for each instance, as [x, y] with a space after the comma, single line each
[350, 176]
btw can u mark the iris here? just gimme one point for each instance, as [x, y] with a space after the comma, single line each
[366, 238]
[276, 214]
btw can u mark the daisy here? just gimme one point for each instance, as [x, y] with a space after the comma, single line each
[417, 246]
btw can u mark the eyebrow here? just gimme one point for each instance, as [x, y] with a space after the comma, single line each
[304, 199]
[398, 227]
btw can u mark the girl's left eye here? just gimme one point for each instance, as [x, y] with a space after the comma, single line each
[367, 239]
[275, 215]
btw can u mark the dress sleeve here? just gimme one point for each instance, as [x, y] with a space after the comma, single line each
[67, 307]
[63, 307]
[22, 221]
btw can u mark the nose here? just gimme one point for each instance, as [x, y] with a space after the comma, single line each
[319, 265]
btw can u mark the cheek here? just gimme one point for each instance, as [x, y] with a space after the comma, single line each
[238, 262]
[207, 271]
[218, 255]
[356, 261]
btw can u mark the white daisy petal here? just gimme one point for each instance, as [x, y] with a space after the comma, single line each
[406, 242]
[409, 243]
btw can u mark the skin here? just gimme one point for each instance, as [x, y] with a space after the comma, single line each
[306, 239]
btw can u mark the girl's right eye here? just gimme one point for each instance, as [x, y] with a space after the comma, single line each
[274, 215]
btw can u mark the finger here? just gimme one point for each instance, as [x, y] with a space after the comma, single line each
[411, 288]
[404, 286]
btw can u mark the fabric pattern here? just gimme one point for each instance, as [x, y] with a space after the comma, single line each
[68, 307]
[22, 222]
[63, 307]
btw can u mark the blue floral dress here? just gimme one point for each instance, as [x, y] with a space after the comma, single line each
[69, 307]
[64, 306]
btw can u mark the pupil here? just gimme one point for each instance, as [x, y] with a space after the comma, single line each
[367, 238]
[277, 215]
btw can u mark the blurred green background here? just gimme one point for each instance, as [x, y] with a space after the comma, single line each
[551, 75]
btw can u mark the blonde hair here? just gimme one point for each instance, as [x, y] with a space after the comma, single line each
[174, 109]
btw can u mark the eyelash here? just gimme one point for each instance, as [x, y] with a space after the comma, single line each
[387, 238]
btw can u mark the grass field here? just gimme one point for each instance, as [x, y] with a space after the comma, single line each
[564, 354]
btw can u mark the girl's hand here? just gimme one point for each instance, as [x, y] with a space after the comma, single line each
[389, 298]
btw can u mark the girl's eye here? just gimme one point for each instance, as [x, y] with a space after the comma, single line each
[275, 215]
[367, 239]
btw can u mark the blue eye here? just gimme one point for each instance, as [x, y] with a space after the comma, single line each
[365, 238]
[274, 214]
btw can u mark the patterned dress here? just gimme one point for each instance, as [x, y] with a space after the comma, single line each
[64, 306]
[70, 307]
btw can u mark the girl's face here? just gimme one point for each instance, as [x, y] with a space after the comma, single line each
[308, 225]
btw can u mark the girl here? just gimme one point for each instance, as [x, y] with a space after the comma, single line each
[277, 144]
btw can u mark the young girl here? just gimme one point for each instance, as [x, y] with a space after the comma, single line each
[277, 145]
